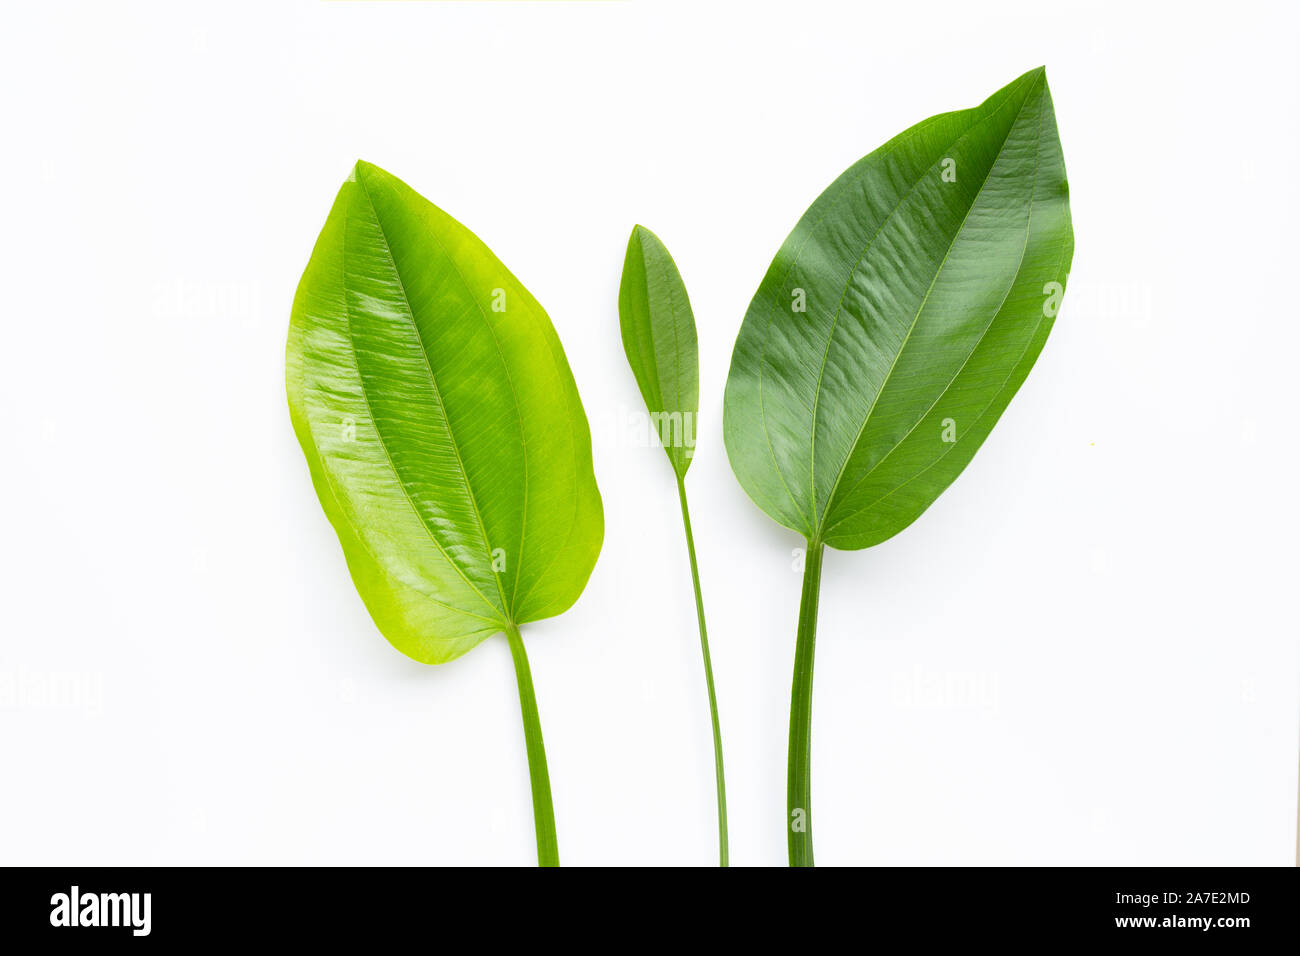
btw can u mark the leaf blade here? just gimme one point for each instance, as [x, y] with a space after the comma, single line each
[660, 341]
[897, 327]
[445, 436]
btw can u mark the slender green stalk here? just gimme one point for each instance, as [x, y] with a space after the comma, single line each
[548, 851]
[799, 779]
[708, 679]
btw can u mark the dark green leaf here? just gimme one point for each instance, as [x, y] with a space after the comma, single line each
[899, 318]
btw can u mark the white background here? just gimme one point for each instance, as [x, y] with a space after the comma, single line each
[1084, 653]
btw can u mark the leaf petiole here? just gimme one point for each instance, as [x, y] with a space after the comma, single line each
[708, 678]
[548, 851]
[799, 779]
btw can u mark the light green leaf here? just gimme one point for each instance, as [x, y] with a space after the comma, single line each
[899, 318]
[659, 338]
[441, 424]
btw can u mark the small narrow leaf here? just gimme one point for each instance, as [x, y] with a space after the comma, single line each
[659, 338]
[899, 318]
[441, 424]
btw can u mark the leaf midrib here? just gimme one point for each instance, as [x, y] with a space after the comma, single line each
[1015, 365]
[887, 150]
[424, 354]
[676, 457]
[1029, 222]
[513, 603]
[830, 497]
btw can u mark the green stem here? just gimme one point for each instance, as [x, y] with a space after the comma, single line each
[548, 851]
[799, 779]
[708, 679]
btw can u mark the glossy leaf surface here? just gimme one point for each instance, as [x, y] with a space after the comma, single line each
[441, 423]
[659, 338]
[899, 318]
